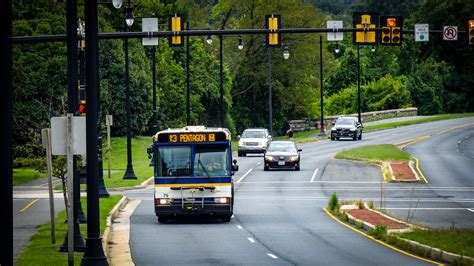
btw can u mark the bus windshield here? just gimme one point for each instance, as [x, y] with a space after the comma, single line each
[174, 161]
[211, 160]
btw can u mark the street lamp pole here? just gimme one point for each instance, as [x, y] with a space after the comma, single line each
[270, 111]
[129, 173]
[358, 84]
[153, 59]
[188, 108]
[94, 254]
[221, 74]
[6, 134]
[322, 131]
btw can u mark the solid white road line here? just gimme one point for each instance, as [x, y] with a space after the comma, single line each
[259, 163]
[326, 182]
[251, 240]
[314, 175]
[471, 210]
[242, 178]
[272, 256]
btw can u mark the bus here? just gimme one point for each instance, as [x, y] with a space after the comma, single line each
[193, 171]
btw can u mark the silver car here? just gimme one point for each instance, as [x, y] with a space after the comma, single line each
[254, 140]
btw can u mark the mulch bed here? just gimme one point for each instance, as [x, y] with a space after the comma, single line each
[376, 219]
[401, 171]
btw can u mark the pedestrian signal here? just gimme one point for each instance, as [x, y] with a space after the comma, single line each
[82, 107]
[470, 28]
[175, 25]
[391, 30]
[273, 23]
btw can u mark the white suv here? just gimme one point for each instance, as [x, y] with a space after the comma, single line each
[254, 140]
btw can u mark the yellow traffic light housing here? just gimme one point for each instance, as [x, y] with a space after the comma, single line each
[273, 23]
[176, 25]
[391, 30]
[367, 21]
[470, 34]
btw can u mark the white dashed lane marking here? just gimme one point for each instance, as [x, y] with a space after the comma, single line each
[251, 240]
[272, 256]
[314, 175]
[245, 175]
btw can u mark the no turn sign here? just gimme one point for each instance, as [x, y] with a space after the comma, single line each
[450, 33]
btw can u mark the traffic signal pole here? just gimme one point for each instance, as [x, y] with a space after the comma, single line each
[6, 134]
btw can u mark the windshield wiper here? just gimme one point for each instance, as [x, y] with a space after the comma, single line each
[204, 168]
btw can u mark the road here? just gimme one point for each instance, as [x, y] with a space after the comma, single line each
[278, 217]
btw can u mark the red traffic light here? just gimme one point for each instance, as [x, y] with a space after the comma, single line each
[391, 22]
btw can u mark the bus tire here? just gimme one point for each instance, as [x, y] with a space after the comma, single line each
[226, 218]
[265, 168]
[162, 219]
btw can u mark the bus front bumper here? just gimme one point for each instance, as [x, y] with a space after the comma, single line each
[193, 209]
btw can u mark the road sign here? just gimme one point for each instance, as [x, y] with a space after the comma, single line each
[335, 25]
[422, 33]
[450, 33]
[59, 135]
[150, 25]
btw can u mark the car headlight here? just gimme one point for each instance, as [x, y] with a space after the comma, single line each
[352, 129]
[333, 129]
[269, 158]
[241, 143]
[293, 158]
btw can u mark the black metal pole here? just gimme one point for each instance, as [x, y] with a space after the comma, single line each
[72, 92]
[188, 107]
[6, 134]
[322, 130]
[221, 75]
[129, 173]
[270, 111]
[358, 84]
[94, 254]
[153, 67]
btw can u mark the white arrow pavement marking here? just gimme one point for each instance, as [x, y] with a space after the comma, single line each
[471, 210]
[242, 178]
[314, 175]
[272, 256]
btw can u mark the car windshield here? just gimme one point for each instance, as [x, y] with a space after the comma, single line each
[211, 161]
[257, 134]
[173, 161]
[345, 122]
[281, 147]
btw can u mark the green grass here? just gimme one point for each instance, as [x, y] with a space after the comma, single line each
[375, 152]
[119, 161]
[416, 121]
[459, 241]
[40, 251]
[25, 175]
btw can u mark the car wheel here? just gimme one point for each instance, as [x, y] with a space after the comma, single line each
[333, 138]
[297, 168]
[337, 138]
[239, 154]
[265, 168]
[162, 219]
[355, 137]
[360, 136]
[244, 154]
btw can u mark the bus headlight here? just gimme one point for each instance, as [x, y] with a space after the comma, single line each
[163, 201]
[221, 200]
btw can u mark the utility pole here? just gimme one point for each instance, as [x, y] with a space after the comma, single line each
[270, 111]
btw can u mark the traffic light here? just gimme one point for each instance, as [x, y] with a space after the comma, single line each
[470, 28]
[176, 24]
[82, 107]
[365, 20]
[273, 22]
[392, 27]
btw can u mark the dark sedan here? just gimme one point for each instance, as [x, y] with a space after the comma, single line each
[282, 154]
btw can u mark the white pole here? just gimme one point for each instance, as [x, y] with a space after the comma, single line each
[46, 137]
[70, 189]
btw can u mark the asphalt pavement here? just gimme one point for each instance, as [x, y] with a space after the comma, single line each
[279, 217]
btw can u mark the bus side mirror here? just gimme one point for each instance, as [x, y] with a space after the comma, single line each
[235, 167]
[149, 150]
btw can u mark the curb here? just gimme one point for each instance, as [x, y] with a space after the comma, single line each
[112, 214]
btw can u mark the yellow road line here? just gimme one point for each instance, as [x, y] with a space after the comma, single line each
[419, 170]
[381, 242]
[29, 205]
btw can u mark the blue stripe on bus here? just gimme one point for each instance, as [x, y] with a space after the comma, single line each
[192, 180]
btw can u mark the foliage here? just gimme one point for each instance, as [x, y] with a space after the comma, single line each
[380, 231]
[333, 202]
[375, 152]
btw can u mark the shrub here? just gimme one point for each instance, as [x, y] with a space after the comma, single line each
[360, 204]
[333, 202]
[380, 231]
[371, 205]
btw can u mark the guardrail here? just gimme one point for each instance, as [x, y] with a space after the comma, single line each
[310, 124]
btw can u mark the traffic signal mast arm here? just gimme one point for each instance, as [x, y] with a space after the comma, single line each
[227, 32]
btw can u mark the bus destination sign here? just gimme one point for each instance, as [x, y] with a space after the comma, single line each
[191, 137]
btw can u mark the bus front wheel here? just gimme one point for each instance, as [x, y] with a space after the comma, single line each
[226, 218]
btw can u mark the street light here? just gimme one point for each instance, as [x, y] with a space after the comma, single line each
[241, 43]
[117, 3]
[129, 18]
[373, 49]
[286, 52]
[209, 39]
[337, 49]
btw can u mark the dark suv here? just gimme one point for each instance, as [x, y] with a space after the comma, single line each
[346, 127]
